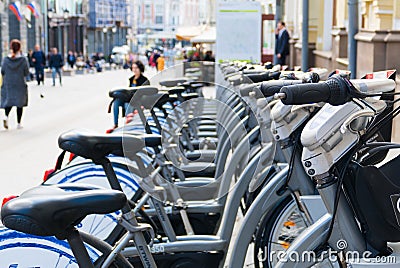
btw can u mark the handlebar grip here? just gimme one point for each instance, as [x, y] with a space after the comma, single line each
[305, 93]
[334, 91]
[269, 88]
[256, 78]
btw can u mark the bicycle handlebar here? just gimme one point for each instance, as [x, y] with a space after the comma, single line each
[256, 78]
[336, 90]
[331, 91]
[270, 88]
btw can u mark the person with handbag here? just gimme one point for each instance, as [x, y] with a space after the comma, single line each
[14, 90]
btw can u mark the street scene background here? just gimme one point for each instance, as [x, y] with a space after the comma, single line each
[81, 102]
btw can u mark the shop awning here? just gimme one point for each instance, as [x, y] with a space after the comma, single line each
[208, 36]
[187, 33]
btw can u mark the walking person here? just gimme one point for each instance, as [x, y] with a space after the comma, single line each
[138, 79]
[56, 62]
[39, 62]
[71, 59]
[161, 63]
[281, 43]
[14, 90]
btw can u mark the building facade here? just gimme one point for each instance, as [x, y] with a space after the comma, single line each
[91, 26]
[19, 22]
[378, 37]
[158, 21]
[108, 24]
[66, 25]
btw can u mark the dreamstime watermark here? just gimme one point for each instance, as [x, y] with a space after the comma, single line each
[327, 255]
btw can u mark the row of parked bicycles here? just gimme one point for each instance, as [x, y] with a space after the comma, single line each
[303, 156]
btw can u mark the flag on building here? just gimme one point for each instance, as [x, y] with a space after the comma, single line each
[16, 9]
[32, 7]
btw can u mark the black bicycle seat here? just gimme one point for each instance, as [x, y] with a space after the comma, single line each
[196, 85]
[143, 91]
[176, 90]
[152, 140]
[156, 100]
[49, 210]
[96, 146]
[124, 94]
[173, 82]
[190, 96]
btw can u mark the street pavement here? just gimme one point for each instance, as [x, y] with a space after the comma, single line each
[81, 102]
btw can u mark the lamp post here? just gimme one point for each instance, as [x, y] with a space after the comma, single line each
[148, 31]
[66, 28]
[115, 38]
[105, 30]
[45, 7]
[50, 14]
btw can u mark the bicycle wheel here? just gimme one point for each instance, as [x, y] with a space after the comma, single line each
[105, 249]
[23, 250]
[276, 232]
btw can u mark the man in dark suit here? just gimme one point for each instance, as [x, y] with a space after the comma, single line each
[281, 43]
[39, 62]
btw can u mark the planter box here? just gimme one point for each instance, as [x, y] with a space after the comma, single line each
[68, 72]
[80, 71]
[47, 73]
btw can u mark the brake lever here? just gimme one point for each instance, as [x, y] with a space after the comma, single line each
[346, 124]
[299, 107]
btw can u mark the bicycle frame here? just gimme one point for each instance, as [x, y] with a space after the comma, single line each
[345, 227]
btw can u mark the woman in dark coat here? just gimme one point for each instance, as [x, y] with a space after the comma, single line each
[14, 90]
[138, 79]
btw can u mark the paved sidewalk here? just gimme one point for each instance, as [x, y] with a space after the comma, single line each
[81, 102]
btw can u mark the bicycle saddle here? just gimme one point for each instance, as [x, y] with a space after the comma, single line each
[143, 91]
[196, 85]
[176, 90]
[49, 210]
[156, 100]
[150, 140]
[173, 82]
[96, 146]
[190, 96]
[124, 94]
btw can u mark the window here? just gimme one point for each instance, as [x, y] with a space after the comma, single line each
[147, 11]
[159, 19]
[78, 7]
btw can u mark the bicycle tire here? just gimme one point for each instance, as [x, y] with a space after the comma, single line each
[105, 249]
[268, 238]
[23, 250]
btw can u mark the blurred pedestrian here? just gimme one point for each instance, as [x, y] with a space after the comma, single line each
[209, 56]
[281, 43]
[155, 58]
[56, 63]
[184, 55]
[161, 63]
[31, 65]
[39, 62]
[138, 79]
[152, 60]
[14, 90]
[195, 56]
[71, 59]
